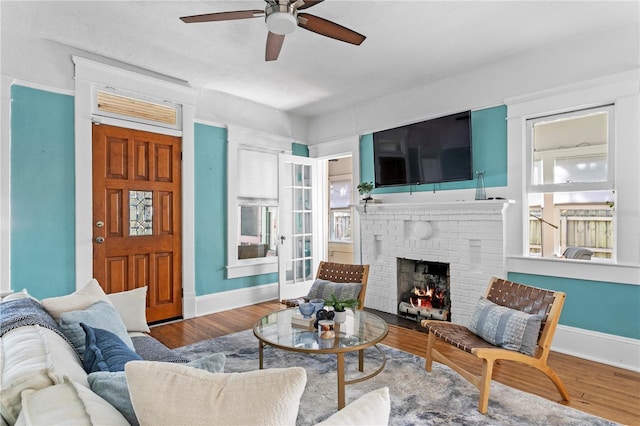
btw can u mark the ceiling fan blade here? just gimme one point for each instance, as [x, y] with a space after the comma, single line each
[329, 29]
[223, 16]
[274, 44]
[309, 3]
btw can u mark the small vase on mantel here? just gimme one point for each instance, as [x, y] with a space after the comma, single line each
[480, 191]
[340, 316]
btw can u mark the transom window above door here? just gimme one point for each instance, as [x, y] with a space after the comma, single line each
[133, 107]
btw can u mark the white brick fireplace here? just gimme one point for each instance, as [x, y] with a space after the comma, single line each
[469, 235]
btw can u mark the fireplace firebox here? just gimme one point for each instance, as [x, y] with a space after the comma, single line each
[423, 290]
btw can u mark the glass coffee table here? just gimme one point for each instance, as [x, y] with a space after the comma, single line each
[361, 330]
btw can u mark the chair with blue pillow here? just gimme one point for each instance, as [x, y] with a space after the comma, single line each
[513, 322]
[335, 277]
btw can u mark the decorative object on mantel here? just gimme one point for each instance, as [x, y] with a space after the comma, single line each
[365, 188]
[480, 192]
[422, 230]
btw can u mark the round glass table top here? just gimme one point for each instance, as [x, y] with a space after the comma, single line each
[361, 330]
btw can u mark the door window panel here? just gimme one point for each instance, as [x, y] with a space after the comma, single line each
[140, 213]
[299, 197]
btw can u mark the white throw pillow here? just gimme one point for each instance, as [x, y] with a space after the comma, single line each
[76, 301]
[28, 356]
[132, 305]
[371, 409]
[67, 404]
[23, 294]
[64, 360]
[26, 365]
[169, 394]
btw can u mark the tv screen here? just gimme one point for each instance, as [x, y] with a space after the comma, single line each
[431, 151]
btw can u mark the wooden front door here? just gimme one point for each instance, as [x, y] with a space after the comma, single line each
[136, 216]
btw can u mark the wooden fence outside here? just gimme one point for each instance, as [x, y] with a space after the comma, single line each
[588, 228]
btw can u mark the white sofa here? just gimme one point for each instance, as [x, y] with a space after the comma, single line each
[43, 378]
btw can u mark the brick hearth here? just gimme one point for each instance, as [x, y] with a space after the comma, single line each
[469, 235]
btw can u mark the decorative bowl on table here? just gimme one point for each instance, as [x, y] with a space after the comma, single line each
[306, 309]
[317, 303]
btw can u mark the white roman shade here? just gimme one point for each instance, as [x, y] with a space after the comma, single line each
[257, 174]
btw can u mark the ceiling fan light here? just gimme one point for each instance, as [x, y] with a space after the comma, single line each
[281, 23]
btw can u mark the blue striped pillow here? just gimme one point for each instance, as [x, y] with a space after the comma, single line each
[323, 289]
[505, 327]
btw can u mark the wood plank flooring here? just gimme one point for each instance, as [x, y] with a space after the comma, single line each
[598, 389]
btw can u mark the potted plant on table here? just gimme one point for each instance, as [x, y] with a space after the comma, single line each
[339, 307]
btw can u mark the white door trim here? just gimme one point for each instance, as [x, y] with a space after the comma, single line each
[87, 74]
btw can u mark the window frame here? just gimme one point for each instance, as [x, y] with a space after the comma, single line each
[243, 138]
[608, 184]
[567, 187]
[622, 90]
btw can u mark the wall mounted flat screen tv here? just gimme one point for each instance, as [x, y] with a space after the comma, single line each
[431, 151]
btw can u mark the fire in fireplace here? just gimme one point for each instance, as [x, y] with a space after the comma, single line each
[423, 290]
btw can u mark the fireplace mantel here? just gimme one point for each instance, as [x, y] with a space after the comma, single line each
[467, 235]
[441, 205]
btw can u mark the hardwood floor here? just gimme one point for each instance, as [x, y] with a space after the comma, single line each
[599, 389]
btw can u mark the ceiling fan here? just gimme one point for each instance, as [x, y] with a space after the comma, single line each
[282, 17]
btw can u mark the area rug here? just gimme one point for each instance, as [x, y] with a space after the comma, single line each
[441, 397]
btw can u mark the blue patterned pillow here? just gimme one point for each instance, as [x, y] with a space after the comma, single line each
[101, 314]
[323, 289]
[104, 351]
[505, 327]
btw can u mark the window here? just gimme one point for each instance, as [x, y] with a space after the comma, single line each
[339, 209]
[127, 106]
[252, 201]
[257, 236]
[570, 182]
[257, 202]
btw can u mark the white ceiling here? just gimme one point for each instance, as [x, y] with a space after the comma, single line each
[409, 43]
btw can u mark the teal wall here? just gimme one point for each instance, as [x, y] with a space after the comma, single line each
[42, 192]
[299, 150]
[43, 211]
[607, 307]
[210, 210]
[489, 139]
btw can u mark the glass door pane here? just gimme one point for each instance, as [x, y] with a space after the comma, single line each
[298, 226]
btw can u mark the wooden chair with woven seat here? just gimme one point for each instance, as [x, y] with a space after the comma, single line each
[340, 273]
[531, 300]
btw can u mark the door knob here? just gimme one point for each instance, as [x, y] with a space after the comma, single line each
[282, 238]
[99, 240]
[99, 224]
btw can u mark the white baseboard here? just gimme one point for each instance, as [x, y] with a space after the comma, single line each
[223, 301]
[189, 304]
[609, 349]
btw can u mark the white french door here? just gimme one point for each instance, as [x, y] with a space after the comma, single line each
[299, 225]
